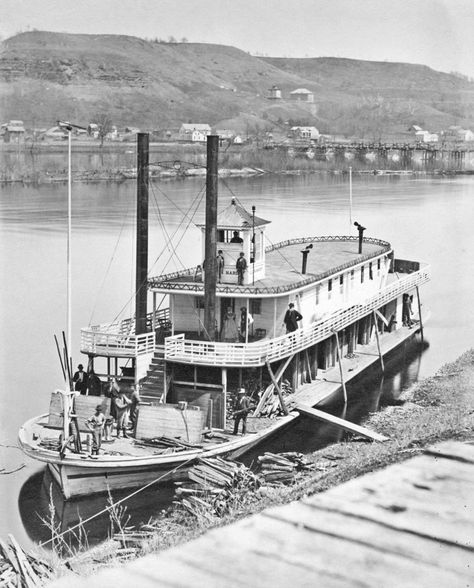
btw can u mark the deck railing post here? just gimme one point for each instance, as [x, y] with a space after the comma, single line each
[419, 312]
[377, 336]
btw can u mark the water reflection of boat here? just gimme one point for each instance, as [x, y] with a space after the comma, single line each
[353, 296]
[40, 492]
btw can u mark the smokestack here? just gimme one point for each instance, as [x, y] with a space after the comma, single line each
[305, 257]
[361, 230]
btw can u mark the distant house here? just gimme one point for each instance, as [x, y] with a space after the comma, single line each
[274, 93]
[56, 133]
[455, 133]
[309, 133]
[302, 95]
[13, 131]
[426, 137]
[194, 132]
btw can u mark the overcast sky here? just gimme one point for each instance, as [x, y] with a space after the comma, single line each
[438, 33]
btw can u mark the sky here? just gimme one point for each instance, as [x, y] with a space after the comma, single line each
[437, 33]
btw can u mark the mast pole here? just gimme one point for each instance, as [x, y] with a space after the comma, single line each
[210, 274]
[69, 250]
[142, 233]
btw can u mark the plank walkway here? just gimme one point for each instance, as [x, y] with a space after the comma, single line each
[408, 525]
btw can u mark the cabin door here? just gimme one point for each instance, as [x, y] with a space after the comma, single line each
[225, 304]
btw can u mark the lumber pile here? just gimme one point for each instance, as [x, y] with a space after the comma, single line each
[282, 468]
[21, 569]
[168, 444]
[215, 487]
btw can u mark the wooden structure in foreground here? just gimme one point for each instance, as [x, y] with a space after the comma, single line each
[408, 525]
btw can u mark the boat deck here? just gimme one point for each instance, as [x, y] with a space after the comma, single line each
[408, 525]
[283, 263]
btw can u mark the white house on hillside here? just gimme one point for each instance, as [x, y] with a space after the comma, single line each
[310, 133]
[302, 95]
[194, 132]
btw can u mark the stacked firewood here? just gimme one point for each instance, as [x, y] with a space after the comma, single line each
[21, 569]
[282, 468]
[215, 486]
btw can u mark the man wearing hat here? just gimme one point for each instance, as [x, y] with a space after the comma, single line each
[80, 379]
[241, 410]
[95, 424]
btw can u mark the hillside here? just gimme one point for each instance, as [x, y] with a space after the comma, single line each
[47, 76]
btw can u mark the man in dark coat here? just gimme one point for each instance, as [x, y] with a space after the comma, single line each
[241, 411]
[80, 379]
[241, 266]
[292, 316]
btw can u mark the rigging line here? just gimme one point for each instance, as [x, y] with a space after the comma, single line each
[111, 506]
[127, 213]
[169, 242]
[146, 280]
[195, 203]
[174, 203]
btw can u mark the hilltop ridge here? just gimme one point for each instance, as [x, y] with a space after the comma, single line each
[155, 85]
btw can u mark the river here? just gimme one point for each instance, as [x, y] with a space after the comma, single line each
[425, 218]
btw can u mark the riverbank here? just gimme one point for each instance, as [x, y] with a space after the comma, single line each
[436, 409]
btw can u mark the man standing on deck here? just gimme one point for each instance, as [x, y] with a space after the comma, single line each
[220, 265]
[241, 266]
[291, 319]
[242, 409]
[96, 424]
[80, 379]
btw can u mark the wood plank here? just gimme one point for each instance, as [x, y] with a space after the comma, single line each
[371, 533]
[453, 450]
[277, 387]
[167, 419]
[338, 422]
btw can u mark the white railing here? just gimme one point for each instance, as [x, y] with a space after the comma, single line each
[118, 339]
[181, 350]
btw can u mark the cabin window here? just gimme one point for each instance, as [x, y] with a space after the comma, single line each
[199, 302]
[226, 236]
[362, 275]
[255, 306]
[318, 291]
[341, 283]
[352, 277]
[329, 289]
[371, 274]
[378, 264]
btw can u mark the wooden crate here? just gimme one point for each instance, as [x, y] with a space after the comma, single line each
[84, 408]
[169, 420]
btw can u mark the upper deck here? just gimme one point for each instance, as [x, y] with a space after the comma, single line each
[328, 256]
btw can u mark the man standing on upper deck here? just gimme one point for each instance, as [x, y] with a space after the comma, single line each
[80, 379]
[241, 266]
[292, 316]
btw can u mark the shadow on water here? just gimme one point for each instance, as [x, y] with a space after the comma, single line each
[40, 491]
[366, 394]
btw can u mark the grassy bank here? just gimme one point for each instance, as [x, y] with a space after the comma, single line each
[436, 409]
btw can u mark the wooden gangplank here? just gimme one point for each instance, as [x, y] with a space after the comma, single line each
[408, 525]
[338, 422]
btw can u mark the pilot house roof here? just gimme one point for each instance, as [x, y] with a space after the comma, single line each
[236, 217]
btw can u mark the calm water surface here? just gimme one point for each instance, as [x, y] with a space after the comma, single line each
[427, 219]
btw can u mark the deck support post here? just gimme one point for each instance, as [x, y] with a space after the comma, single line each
[377, 336]
[339, 360]
[274, 317]
[419, 312]
[224, 395]
[153, 318]
[308, 366]
[277, 388]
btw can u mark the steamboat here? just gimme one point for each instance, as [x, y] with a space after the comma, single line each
[213, 330]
